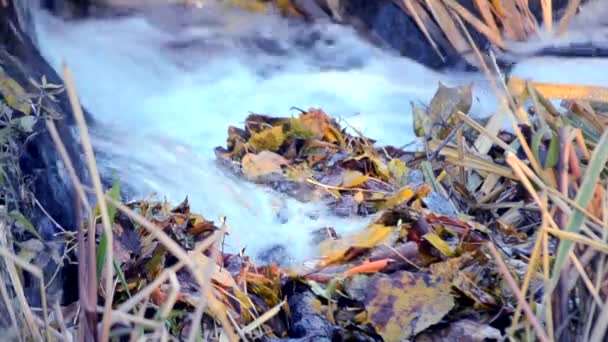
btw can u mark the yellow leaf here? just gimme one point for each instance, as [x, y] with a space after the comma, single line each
[263, 163]
[334, 250]
[403, 195]
[269, 139]
[220, 274]
[14, 95]
[358, 197]
[403, 304]
[398, 169]
[439, 244]
[353, 179]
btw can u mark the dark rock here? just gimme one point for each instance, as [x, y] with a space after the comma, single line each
[306, 323]
[386, 23]
[45, 193]
[275, 254]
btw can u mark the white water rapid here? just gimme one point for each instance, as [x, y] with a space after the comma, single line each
[163, 109]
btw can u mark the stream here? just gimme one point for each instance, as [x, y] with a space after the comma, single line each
[164, 88]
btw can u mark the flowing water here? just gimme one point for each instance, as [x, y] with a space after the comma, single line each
[164, 89]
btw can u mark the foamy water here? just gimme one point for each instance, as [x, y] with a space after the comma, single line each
[162, 111]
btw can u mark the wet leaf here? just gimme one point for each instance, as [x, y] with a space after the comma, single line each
[261, 164]
[352, 179]
[220, 274]
[270, 139]
[422, 121]
[359, 197]
[403, 304]
[316, 122]
[402, 196]
[398, 170]
[439, 244]
[445, 103]
[334, 250]
[26, 123]
[14, 95]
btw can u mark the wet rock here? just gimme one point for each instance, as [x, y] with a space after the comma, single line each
[346, 206]
[275, 254]
[306, 323]
[37, 183]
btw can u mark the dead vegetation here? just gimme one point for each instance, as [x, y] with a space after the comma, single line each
[484, 235]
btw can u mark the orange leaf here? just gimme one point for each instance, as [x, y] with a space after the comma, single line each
[369, 267]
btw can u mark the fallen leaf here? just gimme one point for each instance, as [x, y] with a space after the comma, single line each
[398, 170]
[14, 95]
[220, 274]
[316, 122]
[403, 195]
[269, 139]
[334, 250]
[439, 244]
[261, 164]
[353, 178]
[403, 304]
[359, 197]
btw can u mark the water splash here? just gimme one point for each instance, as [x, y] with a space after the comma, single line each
[164, 92]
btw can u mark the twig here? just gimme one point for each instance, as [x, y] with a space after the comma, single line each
[105, 218]
[542, 336]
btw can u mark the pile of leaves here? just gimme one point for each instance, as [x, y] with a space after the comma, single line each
[426, 266]
[422, 261]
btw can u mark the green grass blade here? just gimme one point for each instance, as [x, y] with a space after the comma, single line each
[584, 196]
[17, 216]
[102, 249]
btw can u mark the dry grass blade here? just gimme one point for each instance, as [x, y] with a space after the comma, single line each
[13, 260]
[601, 325]
[411, 8]
[61, 321]
[590, 287]
[547, 7]
[574, 237]
[486, 13]
[517, 86]
[105, 217]
[263, 318]
[462, 116]
[443, 18]
[570, 12]
[8, 305]
[174, 248]
[146, 291]
[492, 36]
[171, 297]
[121, 316]
[583, 198]
[540, 332]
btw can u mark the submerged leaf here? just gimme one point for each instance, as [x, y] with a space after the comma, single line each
[403, 304]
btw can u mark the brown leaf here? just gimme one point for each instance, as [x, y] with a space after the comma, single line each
[403, 304]
[316, 122]
[263, 163]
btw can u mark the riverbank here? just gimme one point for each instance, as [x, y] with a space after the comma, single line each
[469, 236]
